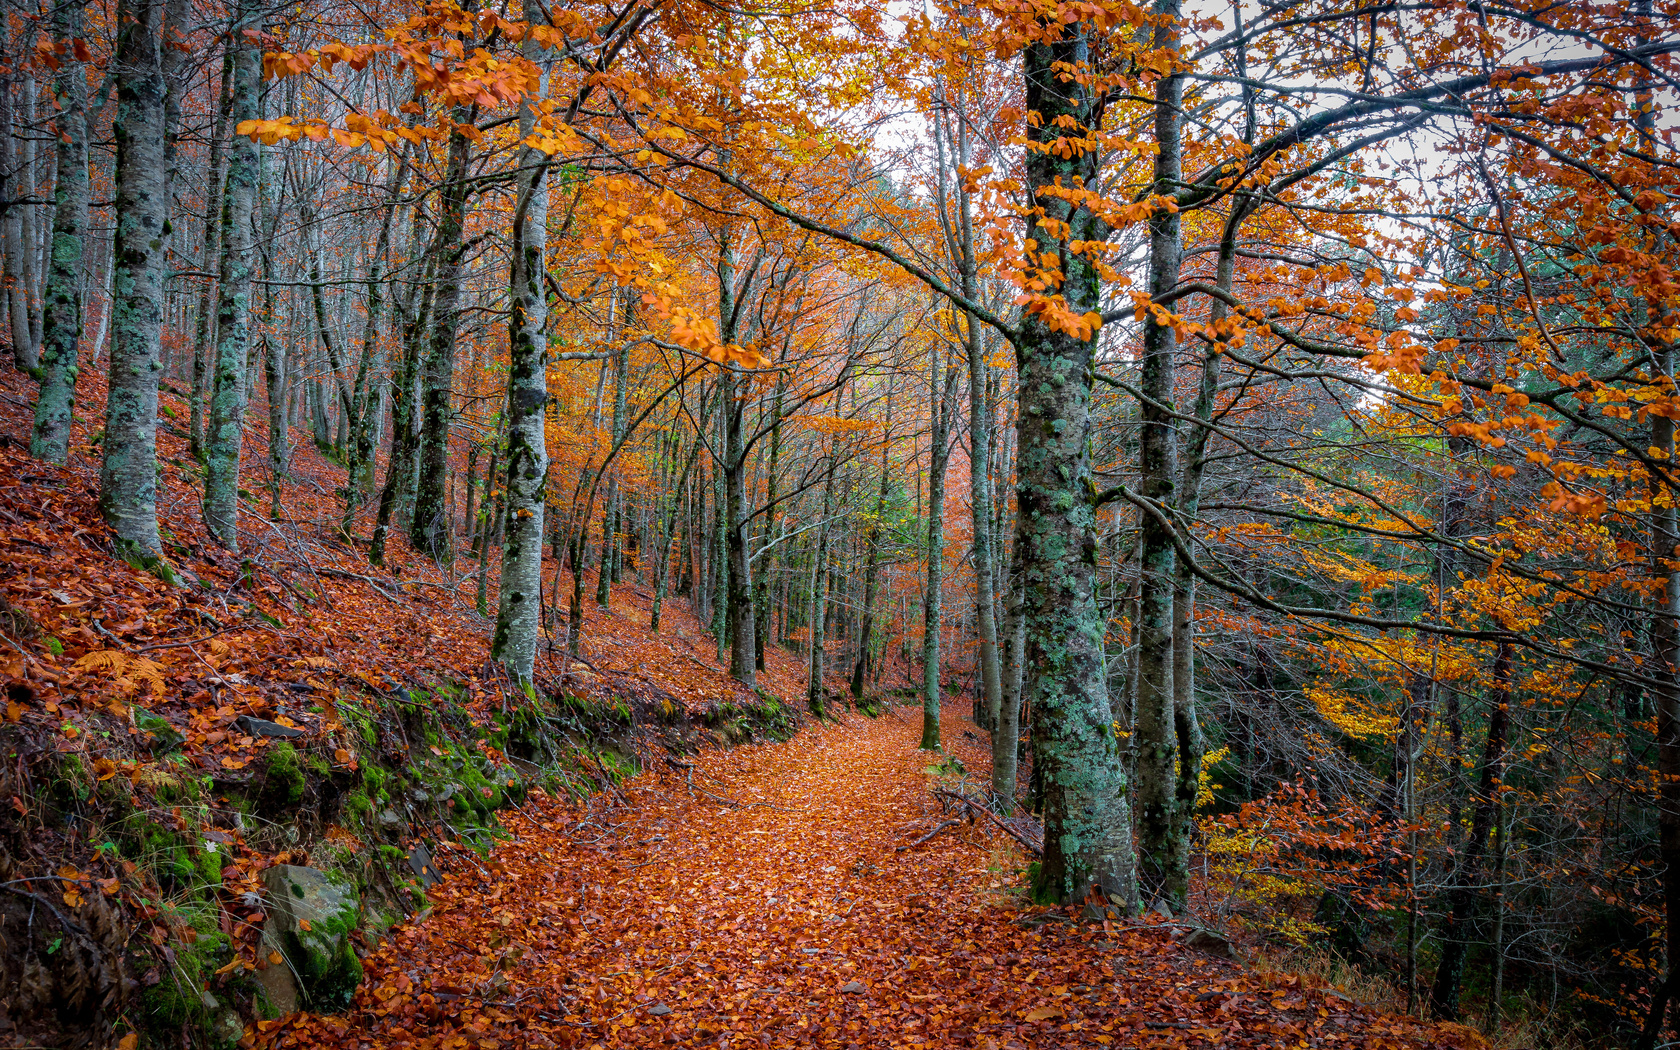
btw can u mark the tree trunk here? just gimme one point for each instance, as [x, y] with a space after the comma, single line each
[224, 441]
[1006, 735]
[204, 334]
[1087, 823]
[1163, 837]
[128, 473]
[1455, 934]
[814, 691]
[519, 600]
[399, 464]
[429, 530]
[13, 189]
[61, 330]
[940, 453]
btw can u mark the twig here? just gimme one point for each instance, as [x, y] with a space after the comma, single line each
[993, 817]
[943, 825]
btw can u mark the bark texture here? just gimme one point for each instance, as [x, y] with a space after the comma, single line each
[225, 436]
[1087, 823]
[128, 473]
[61, 326]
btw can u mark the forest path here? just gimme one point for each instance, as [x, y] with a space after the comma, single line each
[770, 908]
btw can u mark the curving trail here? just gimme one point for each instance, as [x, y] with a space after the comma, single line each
[769, 908]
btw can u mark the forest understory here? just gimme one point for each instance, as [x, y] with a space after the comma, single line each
[813, 892]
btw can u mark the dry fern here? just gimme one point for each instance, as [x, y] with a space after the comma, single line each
[127, 671]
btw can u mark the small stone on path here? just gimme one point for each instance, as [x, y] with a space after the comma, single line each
[659, 1010]
[853, 988]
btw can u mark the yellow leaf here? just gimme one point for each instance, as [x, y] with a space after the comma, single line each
[1044, 1013]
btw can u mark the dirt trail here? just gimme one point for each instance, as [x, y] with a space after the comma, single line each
[769, 907]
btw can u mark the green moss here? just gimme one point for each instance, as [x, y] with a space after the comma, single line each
[282, 780]
[177, 1000]
[358, 805]
[318, 766]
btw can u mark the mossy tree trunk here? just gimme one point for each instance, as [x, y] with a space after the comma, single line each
[224, 440]
[204, 334]
[430, 527]
[1163, 833]
[61, 328]
[128, 472]
[1087, 823]
[939, 456]
[519, 599]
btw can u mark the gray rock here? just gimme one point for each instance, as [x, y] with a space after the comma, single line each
[659, 1010]
[1210, 942]
[275, 979]
[390, 818]
[420, 862]
[853, 988]
[312, 917]
[258, 727]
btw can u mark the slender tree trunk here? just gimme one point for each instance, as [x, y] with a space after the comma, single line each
[761, 604]
[519, 601]
[814, 691]
[940, 453]
[61, 330]
[204, 334]
[1455, 935]
[429, 530]
[128, 473]
[13, 188]
[224, 440]
[872, 574]
[399, 464]
[1006, 734]
[621, 404]
[743, 625]
[1163, 842]
[673, 506]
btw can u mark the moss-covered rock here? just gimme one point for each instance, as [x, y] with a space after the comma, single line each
[156, 732]
[311, 917]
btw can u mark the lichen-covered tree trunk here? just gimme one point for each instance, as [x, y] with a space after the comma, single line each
[1087, 823]
[1163, 838]
[61, 328]
[364, 434]
[225, 437]
[814, 691]
[1006, 732]
[12, 189]
[399, 465]
[430, 528]
[743, 625]
[128, 472]
[673, 505]
[620, 411]
[932, 594]
[761, 581]
[204, 332]
[519, 598]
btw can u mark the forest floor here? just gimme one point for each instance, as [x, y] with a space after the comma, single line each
[767, 895]
[772, 896]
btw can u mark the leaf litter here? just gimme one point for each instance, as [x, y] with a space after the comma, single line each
[762, 898]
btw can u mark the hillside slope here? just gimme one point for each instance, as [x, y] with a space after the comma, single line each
[165, 743]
